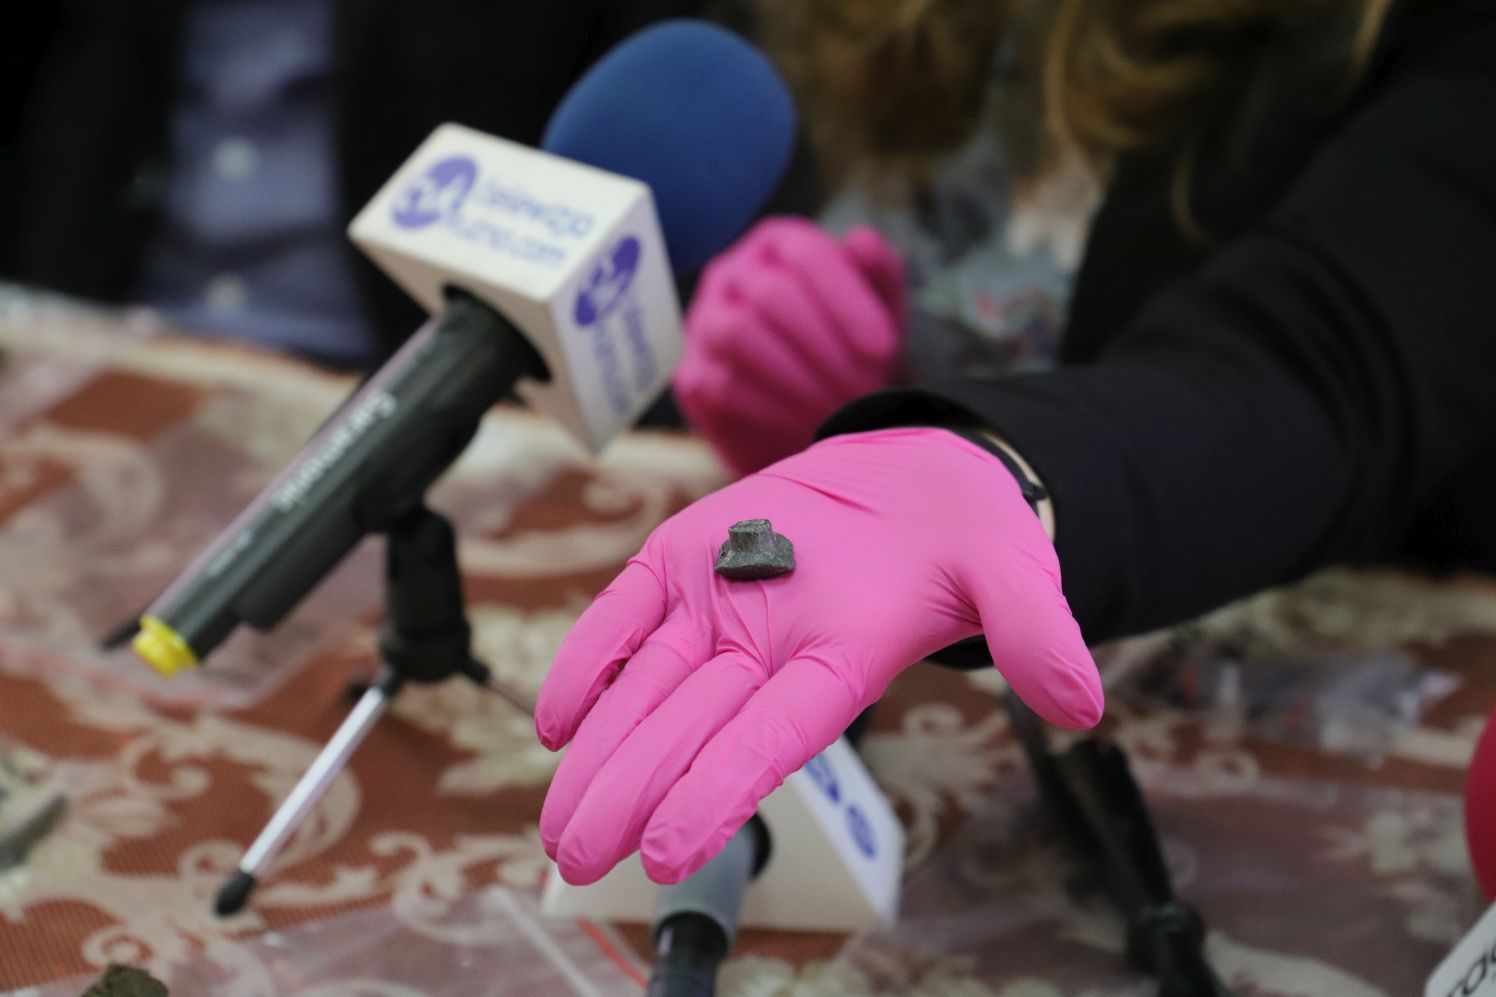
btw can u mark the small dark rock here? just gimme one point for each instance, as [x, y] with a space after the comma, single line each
[125, 981]
[754, 551]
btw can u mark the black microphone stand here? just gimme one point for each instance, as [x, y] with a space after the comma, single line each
[425, 638]
[696, 920]
[1090, 792]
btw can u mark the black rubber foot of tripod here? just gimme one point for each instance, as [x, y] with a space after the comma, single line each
[234, 894]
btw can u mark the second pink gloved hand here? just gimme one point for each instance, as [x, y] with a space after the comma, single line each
[786, 327]
[687, 697]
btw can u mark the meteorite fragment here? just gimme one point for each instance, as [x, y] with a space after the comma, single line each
[125, 981]
[753, 550]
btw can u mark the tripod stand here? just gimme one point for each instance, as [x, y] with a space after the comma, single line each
[1089, 789]
[425, 638]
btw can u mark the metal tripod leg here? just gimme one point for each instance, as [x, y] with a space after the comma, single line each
[332, 759]
[425, 639]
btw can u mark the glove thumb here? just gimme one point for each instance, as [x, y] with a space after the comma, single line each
[1034, 640]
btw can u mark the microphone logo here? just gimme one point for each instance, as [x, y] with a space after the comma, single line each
[437, 193]
[821, 773]
[862, 831]
[606, 284]
[858, 826]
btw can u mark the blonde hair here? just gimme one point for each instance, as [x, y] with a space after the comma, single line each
[896, 83]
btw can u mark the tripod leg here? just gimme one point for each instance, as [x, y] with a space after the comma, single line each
[324, 769]
[484, 676]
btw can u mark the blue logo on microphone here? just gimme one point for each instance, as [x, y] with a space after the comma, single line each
[437, 193]
[606, 284]
[821, 773]
[862, 831]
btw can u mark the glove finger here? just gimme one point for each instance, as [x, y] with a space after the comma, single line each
[881, 264]
[749, 402]
[805, 706]
[655, 671]
[861, 321]
[748, 347]
[606, 825]
[605, 636]
[723, 278]
[747, 429]
[798, 334]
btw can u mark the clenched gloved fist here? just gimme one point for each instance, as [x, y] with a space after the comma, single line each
[786, 327]
[687, 697]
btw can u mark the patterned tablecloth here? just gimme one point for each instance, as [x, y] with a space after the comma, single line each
[122, 451]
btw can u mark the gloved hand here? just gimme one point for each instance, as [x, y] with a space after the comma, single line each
[786, 327]
[688, 697]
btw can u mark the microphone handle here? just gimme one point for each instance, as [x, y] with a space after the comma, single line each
[372, 460]
[697, 918]
[691, 947]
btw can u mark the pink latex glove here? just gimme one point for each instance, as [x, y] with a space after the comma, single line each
[786, 327]
[688, 697]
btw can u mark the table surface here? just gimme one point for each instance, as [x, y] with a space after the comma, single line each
[123, 450]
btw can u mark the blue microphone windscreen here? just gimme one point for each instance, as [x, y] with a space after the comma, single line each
[696, 113]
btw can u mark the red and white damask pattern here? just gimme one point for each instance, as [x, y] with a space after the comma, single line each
[121, 453]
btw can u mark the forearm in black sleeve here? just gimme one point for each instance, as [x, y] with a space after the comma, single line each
[1292, 403]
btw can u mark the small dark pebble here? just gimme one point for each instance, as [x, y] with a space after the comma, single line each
[125, 981]
[754, 551]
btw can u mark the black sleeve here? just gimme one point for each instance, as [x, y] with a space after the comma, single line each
[28, 33]
[1296, 400]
